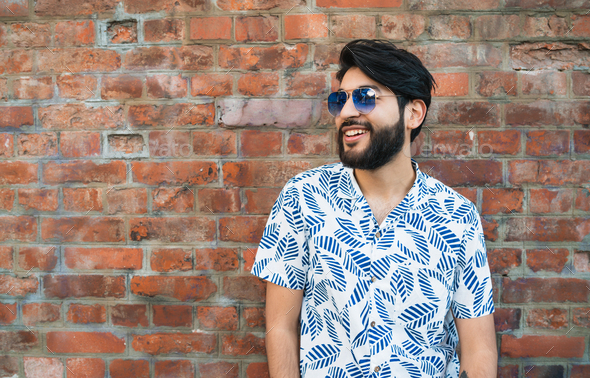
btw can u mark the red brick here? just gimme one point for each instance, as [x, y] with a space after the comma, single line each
[6, 145]
[129, 315]
[309, 84]
[255, 317]
[249, 256]
[526, 290]
[550, 200]
[451, 84]
[582, 199]
[506, 319]
[353, 26]
[172, 315]
[37, 367]
[121, 87]
[256, 143]
[309, 144]
[103, 258]
[166, 343]
[84, 60]
[6, 199]
[217, 143]
[492, 27]
[244, 229]
[464, 172]
[260, 200]
[171, 143]
[38, 258]
[6, 260]
[452, 142]
[41, 144]
[546, 142]
[402, 26]
[169, 6]
[446, 55]
[242, 344]
[326, 56]
[7, 316]
[22, 228]
[258, 84]
[18, 341]
[83, 229]
[555, 318]
[544, 83]
[264, 28]
[171, 115]
[81, 117]
[125, 143]
[210, 28]
[83, 285]
[127, 201]
[16, 61]
[174, 172]
[30, 35]
[174, 368]
[453, 5]
[580, 317]
[449, 27]
[552, 55]
[171, 259]
[75, 8]
[262, 173]
[545, 112]
[212, 85]
[177, 200]
[275, 57]
[84, 314]
[502, 200]
[218, 259]
[84, 342]
[580, 371]
[580, 25]
[14, 9]
[172, 230]
[82, 199]
[505, 142]
[79, 144]
[542, 346]
[306, 26]
[165, 30]
[18, 287]
[248, 288]
[548, 172]
[582, 141]
[122, 31]
[258, 370]
[540, 371]
[277, 112]
[547, 229]
[85, 367]
[183, 288]
[74, 33]
[16, 116]
[581, 83]
[221, 369]
[502, 260]
[222, 318]
[553, 26]
[183, 58]
[34, 313]
[79, 87]
[129, 368]
[38, 199]
[166, 86]
[230, 5]
[547, 259]
[33, 88]
[219, 200]
[468, 193]
[495, 83]
[465, 113]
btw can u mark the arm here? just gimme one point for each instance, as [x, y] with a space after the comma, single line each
[283, 307]
[479, 354]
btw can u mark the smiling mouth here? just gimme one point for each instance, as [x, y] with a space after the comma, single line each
[354, 135]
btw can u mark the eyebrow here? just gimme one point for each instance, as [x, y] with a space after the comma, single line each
[376, 88]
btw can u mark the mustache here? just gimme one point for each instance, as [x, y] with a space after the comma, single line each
[367, 125]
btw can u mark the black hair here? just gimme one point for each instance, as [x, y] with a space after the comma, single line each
[399, 70]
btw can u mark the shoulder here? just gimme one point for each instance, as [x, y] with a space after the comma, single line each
[320, 176]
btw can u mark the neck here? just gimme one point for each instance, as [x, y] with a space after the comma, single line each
[393, 180]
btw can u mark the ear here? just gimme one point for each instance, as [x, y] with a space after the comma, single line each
[415, 112]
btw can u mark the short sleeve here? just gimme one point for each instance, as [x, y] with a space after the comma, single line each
[282, 256]
[473, 296]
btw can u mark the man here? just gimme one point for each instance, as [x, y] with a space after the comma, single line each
[386, 265]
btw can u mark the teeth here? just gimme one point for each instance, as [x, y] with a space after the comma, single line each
[355, 132]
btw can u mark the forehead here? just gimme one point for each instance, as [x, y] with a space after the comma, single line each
[355, 78]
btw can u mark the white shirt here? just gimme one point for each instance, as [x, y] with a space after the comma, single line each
[378, 300]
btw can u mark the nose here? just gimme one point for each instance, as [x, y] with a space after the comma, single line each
[349, 111]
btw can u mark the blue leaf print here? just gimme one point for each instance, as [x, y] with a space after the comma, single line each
[339, 281]
[296, 276]
[385, 303]
[314, 224]
[270, 236]
[413, 347]
[380, 338]
[336, 372]
[411, 369]
[404, 281]
[418, 314]
[311, 202]
[354, 370]
[322, 355]
[320, 294]
[420, 244]
[332, 320]
[480, 258]
[315, 322]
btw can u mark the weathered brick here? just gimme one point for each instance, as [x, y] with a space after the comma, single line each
[171, 115]
[548, 172]
[505, 142]
[182, 288]
[81, 59]
[256, 143]
[37, 367]
[166, 86]
[38, 199]
[263, 112]
[18, 341]
[34, 313]
[219, 200]
[230, 5]
[74, 8]
[221, 318]
[464, 113]
[83, 229]
[174, 172]
[453, 5]
[254, 317]
[582, 199]
[502, 200]
[172, 315]
[219, 369]
[18, 287]
[38, 258]
[174, 368]
[79, 87]
[103, 258]
[79, 144]
[257, 369]
[560, 290]
[581, 83]
[165, 343]
[169, 6]
[446, 55]
[212, 85]
[542, 346]
[550, 200]
[74, 33]
[83, 285]
[492, 27]
[241, 344]
[464, 172]
[165, 30]
[402, 26]
[210, 28]
[177, 200]
[84, 342]
[549, 55]
[21, 228]
[541, 83]
[6, 257]
[449, 27]
[16, 61]
[7, 316]
[275, 57]
[243, 229]
[582, 141]
[184, 58]
[547, 229]
[353, 26]
[306, 26]
[129, 315]
[30, 34]
[85, 314]
[81, 117]
[41, 144]
[451, 84]
[248, 288]
[503, 260]
[15, 8]
[555, 318]
[258, 84]
[172, 230]
[9, 364]
[495, 83]
[171, 259]
[264, 28]
[309, 144]
[16, 116]
[119, 368]
[219, 259]
[124, 31]
[547, 259]
[310, 84]
[121, 87]
[82, 199]
[33, 88]
[218, 143]
[260, 200]
[86, 367]
[127, 201]
[262, 173]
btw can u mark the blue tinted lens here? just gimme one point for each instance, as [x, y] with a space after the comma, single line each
[363, 99]
[336, 102]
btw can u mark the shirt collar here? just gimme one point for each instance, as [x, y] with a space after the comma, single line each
[349, 188]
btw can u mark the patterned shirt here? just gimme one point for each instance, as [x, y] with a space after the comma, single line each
[378, 299]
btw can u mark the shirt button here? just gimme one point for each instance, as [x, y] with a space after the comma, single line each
[378, 234]
[373, 279]
[377, 368]
[373, 324]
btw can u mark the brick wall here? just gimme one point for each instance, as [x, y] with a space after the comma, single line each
[142, 144]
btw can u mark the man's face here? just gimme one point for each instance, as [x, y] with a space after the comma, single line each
[369, 141]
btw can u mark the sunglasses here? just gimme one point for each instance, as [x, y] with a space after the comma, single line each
[362, 98]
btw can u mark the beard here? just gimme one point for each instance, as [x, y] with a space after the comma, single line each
[384, 144]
